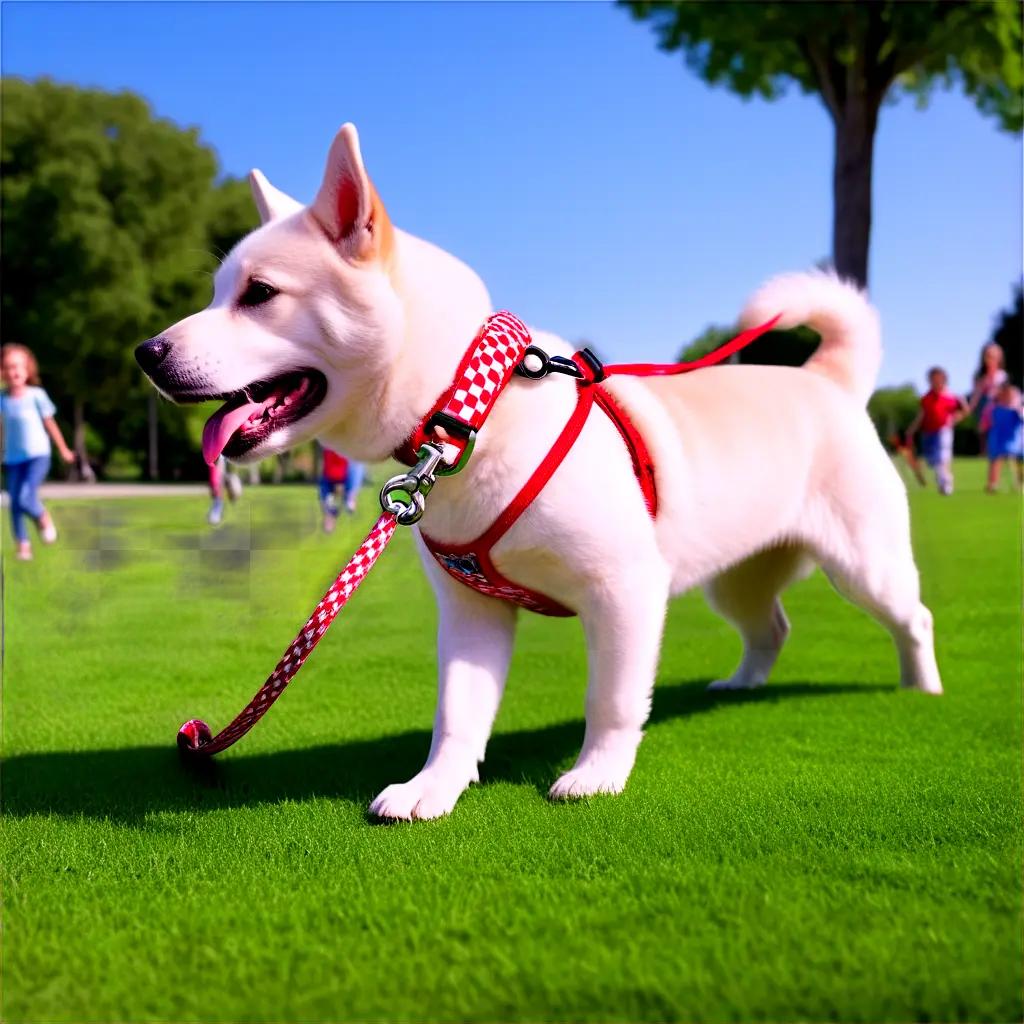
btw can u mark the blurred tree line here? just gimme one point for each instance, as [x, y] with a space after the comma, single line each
[891, 408]
[113, 220]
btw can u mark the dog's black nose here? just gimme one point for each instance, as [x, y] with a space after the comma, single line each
[150, 354]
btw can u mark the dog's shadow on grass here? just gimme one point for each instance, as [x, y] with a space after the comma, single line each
[128, 785]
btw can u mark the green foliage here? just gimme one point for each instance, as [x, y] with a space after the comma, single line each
[762, 48]
[977, 45]
[892, 409]
[231, 214]
[713, 336]
[109, 214]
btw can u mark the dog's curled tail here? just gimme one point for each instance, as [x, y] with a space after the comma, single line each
[850, 352]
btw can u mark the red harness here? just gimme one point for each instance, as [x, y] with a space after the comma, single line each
[471, 563]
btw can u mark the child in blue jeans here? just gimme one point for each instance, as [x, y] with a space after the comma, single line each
[940, 411]
[28, 425]
[333, 471]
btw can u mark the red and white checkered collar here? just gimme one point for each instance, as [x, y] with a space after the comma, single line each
[460, 412]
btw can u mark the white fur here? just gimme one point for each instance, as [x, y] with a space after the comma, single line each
[850, 352]
[762, 473]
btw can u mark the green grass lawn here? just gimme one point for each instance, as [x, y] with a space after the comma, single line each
[826, 848]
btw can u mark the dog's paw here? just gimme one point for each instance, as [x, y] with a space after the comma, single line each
[427, 795]
[923, 685]
[737, 682]
[589, 780]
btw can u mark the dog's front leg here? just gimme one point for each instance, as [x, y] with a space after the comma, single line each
[623, 620]
[474, 646]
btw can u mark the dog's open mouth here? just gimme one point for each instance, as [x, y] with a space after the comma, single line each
[251, 415]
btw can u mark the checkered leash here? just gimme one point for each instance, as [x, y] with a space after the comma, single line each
[485, 370]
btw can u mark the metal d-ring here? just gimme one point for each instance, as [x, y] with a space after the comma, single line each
[548, 364]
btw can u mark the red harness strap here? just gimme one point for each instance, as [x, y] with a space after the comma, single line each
[471, 563]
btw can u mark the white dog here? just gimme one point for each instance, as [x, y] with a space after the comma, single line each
[328, 322]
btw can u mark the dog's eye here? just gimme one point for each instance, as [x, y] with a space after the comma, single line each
[256, 293]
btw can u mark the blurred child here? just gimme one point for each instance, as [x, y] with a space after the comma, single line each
[222, 478]
[991, 376]
[334, 470]
[1005, 435]
[28, 424]
[353, 481]
[940, 410]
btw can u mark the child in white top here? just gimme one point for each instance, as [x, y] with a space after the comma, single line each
[28, 425]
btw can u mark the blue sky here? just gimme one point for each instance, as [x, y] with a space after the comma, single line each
[599, 188]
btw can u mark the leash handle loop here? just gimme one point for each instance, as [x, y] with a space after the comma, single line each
[195, 737]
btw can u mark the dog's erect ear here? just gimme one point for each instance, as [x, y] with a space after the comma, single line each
[271, 202]
[347, 206]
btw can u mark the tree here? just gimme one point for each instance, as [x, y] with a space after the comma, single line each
[232, 214]
[107, 213]
[713, 336]
[854, 54]
[892, 410]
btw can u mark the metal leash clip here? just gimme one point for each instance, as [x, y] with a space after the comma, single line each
[404, 495]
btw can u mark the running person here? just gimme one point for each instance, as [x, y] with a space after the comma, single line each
[940, 410]
[991, 376]
[29, 427]
[334, 470]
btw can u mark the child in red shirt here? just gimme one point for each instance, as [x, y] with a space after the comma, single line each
[334, 469]
[940, 410]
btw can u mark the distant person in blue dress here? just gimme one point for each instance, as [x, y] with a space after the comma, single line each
[26, 414]
[1005, 435]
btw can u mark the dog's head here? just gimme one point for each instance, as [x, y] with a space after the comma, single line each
[304, 317]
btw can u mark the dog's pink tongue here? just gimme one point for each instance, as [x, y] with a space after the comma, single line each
[222, 424]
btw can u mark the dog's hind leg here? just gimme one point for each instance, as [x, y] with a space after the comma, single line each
[869, 560]
[889, 591]
[748, 596]
[623, 621]
[474, 647]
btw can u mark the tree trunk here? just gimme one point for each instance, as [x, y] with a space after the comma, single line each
[851, 186]
[154, 452]
[84, 468]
